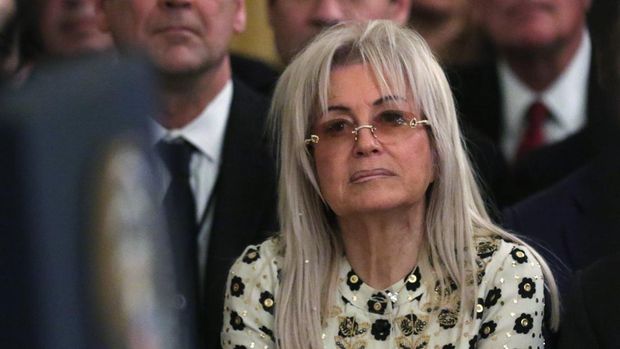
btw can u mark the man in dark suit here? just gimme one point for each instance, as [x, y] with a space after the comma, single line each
[538, 99]
[572, 222]
[211, 130]
[577, 221]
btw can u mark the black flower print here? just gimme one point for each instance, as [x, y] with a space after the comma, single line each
[448, 318]
[487, 329]
[448, 346]
[236, 286]
[410, 324]
[486, 248]
[479, 308]
[412, 281]
[353, 281]
[236, 321]
[268, 332]
[492, 297]
[380, 329]
[240, 347]
[524, 323]
[251, 256]
[527, 288]
[518, 255]
[422, 345]
[348, 327]
[472, 342]
[377, 303]
[266, 301]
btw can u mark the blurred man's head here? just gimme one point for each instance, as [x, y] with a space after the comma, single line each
[436, 8]
[518, 26]
[296, 22]
[9, 53]
[179, 36]
[69, 27]
[7, 11]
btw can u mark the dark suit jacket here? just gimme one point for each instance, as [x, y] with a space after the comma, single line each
[245, 199]
[479, 101]
[591, 319]
[574, 222]
[258, 75]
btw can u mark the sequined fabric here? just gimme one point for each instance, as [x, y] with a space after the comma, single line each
[508, 313]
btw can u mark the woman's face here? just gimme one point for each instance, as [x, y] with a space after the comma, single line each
[370, 174]
[7, 10]
[69, 28]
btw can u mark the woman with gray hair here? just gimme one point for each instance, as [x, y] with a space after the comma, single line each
[385, 241]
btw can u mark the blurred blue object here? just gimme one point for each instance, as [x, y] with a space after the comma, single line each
[83, 260]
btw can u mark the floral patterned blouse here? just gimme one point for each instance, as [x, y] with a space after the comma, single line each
[509, 310]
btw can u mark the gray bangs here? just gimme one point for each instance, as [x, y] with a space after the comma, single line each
[389, 54]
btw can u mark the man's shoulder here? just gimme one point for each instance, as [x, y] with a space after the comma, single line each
[553, 201]
[244, 94]
[480, 74]
[248, 107]
[258, 75]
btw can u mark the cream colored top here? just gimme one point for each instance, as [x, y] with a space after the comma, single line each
[509, 310]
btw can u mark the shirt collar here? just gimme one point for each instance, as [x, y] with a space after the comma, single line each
[206, 132]
[565, 98]
[356, 292]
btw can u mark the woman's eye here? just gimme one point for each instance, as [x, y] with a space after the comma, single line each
[392, 118]
[336, 128]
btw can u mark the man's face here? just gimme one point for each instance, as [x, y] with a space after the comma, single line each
[296, 22]
[179, 36]
[69, 27]
[526, 25]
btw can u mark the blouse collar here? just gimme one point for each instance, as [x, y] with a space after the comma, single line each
[356, 292]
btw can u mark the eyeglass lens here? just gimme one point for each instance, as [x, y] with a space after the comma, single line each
[387, 126]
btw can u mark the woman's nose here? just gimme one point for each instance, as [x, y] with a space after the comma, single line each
[366, 141]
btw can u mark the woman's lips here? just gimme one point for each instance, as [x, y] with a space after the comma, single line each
[366, 175]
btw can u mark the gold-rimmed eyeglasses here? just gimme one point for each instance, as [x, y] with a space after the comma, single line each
[388, 126]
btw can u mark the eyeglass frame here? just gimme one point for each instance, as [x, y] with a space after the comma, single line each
[413, 123]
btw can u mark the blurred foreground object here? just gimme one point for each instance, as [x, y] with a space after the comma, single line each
[85, 262]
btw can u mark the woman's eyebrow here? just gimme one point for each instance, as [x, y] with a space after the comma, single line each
[379, 101]
[338, 108]
[390, 98]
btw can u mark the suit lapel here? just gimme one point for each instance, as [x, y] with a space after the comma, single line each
[246, 179]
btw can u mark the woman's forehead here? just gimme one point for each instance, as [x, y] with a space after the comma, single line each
[362, 83]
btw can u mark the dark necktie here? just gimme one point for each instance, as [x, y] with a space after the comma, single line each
[534, 135]
[180, 208]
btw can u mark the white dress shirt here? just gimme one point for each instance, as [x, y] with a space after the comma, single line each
[206, 134]
[566, 99]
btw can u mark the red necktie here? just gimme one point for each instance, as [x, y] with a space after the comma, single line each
[534, 135]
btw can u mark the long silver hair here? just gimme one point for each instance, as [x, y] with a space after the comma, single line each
[402, 63]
